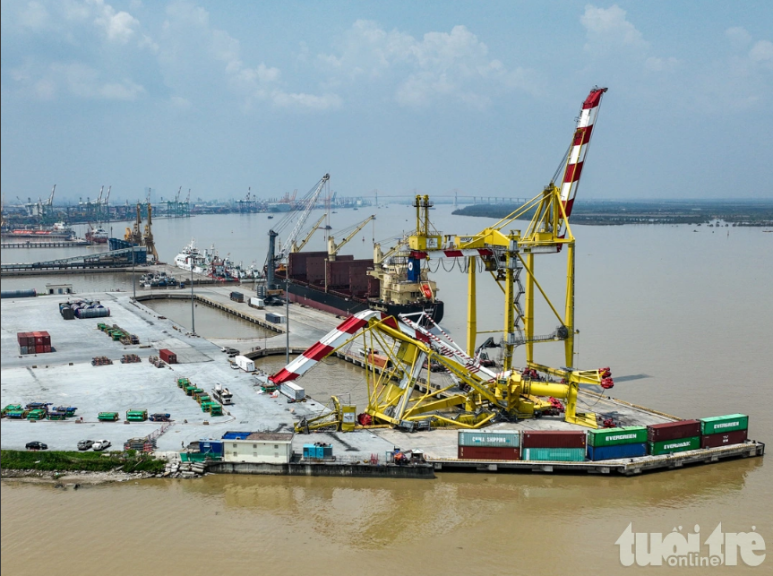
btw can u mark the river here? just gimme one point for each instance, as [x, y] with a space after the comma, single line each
[682, 314]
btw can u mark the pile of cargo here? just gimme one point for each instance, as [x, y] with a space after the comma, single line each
[613, 443]
[69, 411]
[130, 359]
[160, 417]
[83, 309]
[107, 416]
[118, 334]
[31, 293]
[144, 444]
[34, 342]
[237, 296]
[604, 443]
[13, 408]
[101, 361]
[136, 415]
[156, 361]
[724, 430]
[493, 445]
[674, 437]
[204, 400]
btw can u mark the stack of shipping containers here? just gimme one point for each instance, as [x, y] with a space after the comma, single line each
[553, 445]
[674, 437]
[494, 445]
[613, 443]
[33, 342]
[724, 430]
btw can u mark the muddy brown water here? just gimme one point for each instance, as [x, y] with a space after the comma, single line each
[682, 317]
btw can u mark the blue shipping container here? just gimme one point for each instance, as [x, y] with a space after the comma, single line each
[614, 452]
[327, 451]
[210, 447]
[309, 451]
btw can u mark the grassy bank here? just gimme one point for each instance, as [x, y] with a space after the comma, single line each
[77, 461]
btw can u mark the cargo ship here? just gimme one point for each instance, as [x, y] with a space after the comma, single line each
[395, 284]
[58, 231]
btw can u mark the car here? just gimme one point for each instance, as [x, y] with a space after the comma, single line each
[100, 445]
[85, 444]
[35, 445]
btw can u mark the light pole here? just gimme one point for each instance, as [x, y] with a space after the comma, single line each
[134, 279]
[287, 320]
[193, 319]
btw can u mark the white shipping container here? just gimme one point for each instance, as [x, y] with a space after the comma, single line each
[245, 363]
[258, 303]
[292, 391]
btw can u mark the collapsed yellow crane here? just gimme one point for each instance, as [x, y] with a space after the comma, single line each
[413, 342]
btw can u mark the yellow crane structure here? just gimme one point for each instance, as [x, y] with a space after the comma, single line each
[398, 396]
[148, 236]
[298, 247]
[333, 248]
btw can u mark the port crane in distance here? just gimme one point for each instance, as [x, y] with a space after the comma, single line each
[480, 393]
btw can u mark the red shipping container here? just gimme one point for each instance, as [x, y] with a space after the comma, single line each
[39, 349]
[553, 439]
[46, 349]
[723, 439]
[38, 338]
[489, 453]
[673, 430]
[167, 356]
[46, 338]
[19, 337]
[27, 339]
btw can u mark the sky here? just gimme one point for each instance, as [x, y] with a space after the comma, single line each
[477, 98]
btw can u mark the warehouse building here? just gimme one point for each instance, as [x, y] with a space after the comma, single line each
[259, 448]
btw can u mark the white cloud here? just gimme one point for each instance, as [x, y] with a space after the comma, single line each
[74, 78]
[34, 16]
[738, 36]
[451, 65]
[193, 54]
[608, 28]
[762, 53]
[117, 26]
[661, 64]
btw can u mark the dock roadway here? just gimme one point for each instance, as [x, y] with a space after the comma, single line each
[66, 377]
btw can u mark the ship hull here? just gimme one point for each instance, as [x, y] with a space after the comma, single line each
[343, 306]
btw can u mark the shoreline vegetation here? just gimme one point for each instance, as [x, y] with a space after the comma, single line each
[712, 213]
[20, 463]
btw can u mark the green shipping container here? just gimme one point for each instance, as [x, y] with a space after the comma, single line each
[722, 424]
[617, 436]
[554, 454]
[670, 446]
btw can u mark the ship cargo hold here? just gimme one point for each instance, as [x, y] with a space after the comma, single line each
[344, 286]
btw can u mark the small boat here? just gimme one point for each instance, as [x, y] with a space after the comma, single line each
[270, 217]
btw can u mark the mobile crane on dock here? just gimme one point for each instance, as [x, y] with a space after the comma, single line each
[412, 341]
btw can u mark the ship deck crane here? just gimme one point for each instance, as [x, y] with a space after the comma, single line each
[314, 228]
[333, 248]
[274, 257]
